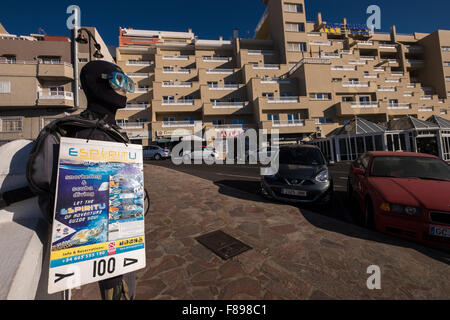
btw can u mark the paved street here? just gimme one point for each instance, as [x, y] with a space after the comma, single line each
[297, 253]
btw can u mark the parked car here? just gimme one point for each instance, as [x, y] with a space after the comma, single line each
[403, 194]
[302, 177]
[156, 153]
[206, 152]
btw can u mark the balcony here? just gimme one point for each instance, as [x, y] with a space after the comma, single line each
[283, 100]
[227, 105]
[179, 71]
[131, 125]
[320, 43]
[288, 123]
[399, 106]
[351, 108]
[138, 63]
[135, 106]
[275, 80]
[220, 71]
[364, 104]
[267, 67]
[426, 109]
[371, 76]
[180, 124]
[367, 58]
[261, 52]
[175, 57]
[386, 89]
[331, 55]
[365, 43]
[224, 87]
[137, 75]
[343, 68]
[356, 62]
[179, 102]
[55, 70]
[426, 97]
[216, 59]
[171, 84]
[61, 99]
[356, 84]
[387, 46]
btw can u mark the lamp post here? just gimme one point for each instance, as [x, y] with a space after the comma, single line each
[78, 37]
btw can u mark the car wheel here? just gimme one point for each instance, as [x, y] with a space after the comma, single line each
[157, 156]
[368, 215]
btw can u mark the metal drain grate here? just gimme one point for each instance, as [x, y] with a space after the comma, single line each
[222, 244]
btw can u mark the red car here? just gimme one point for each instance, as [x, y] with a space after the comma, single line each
[403, 194]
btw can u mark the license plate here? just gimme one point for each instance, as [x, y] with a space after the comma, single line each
[440, 232]
[292, 192]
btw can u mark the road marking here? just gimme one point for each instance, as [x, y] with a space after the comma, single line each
[238, 176]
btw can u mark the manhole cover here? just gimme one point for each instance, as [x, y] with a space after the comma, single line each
[222, 244]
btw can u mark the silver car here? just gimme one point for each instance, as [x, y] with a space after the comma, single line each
[156, 153]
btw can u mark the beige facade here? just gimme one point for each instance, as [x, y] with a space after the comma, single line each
[36, 82]
[303, 78]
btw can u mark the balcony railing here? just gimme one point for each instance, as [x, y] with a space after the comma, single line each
[227, 104]
[138, 63]
[171, 124]
[426, 109]
[371, 76]
[426, 97]
[363, 84]
[387, 46]
[131, 125]
[288, 123]
[216, 59]
[356, 62]
[173, 57]
[220, 71]
[177, 84]
[365, 43]
[367, 58]
[320, 43]
[261, 52]
[267, 66]
[66, 95]
[275, 80]
[387, 89]
[364, 104]
[344, 68]
[179, 102]
[136, 106]
[224, 87]
[179, 71]
[137, 75]
[283, 100]
[399, 106]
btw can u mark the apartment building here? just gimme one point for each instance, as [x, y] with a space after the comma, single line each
[302, 78]
[37, 81]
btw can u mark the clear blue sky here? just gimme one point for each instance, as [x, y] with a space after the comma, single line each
[209, 18]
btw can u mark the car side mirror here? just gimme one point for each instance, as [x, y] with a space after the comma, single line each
[358, 171]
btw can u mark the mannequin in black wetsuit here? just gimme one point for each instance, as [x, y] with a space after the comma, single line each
[102, 104]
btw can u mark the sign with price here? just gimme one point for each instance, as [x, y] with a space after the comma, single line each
[98, 226]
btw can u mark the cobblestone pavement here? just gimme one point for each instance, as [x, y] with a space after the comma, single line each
[296, 254]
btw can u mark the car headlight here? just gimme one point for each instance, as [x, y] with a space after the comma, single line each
[323, 176]
[401, 209]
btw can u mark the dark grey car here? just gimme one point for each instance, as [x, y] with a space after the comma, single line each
[303, 176]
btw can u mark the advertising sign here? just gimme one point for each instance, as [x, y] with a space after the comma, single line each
[98, 227]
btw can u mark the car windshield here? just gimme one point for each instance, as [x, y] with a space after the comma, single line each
[301, 156]
[410, 167]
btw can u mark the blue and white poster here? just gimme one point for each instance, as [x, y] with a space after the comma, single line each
[98, 227]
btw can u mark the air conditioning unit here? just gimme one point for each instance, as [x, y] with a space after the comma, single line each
[319, 128]
[319, 134]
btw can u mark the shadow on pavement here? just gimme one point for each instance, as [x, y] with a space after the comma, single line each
[320, 216]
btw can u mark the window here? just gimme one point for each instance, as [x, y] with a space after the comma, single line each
[82, 60]
[5, 86]
[320, 96]
[168, 98]
[293, 7]
[295, 27]
[446, 48]
[168, 69]
[213, 84]
[237, 121]
[347, 99]
[168, 119]
[218, 122]
[57, 91]
[336, 80]
[293, 117]
[320, 120]
[11, 124]
[297, 46]
[364, 99]
[267, 94]
[393, 101]
[273, 117]
[447, 64]
[189, 119]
